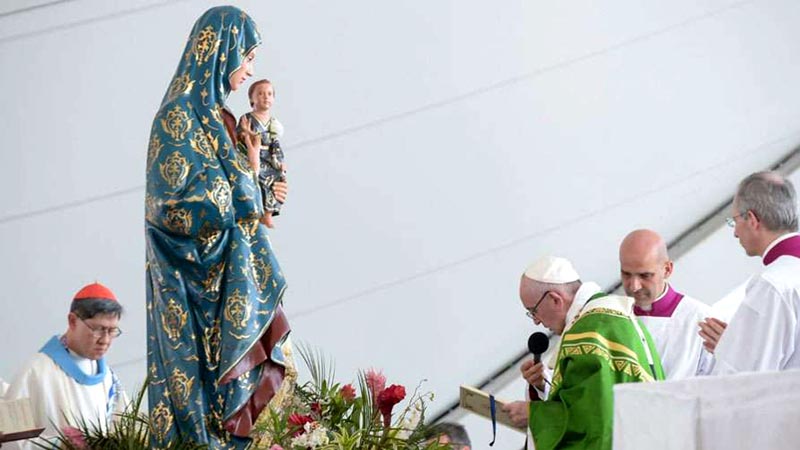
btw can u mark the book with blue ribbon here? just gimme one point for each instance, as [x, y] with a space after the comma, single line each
[485, 405]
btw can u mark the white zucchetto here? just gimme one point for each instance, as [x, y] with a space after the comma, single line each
[552, 269]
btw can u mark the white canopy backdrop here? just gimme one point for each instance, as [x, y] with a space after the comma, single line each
[434, 149]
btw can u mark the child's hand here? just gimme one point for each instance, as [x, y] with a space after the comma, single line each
[244, 126]
[280, 189]
[244, 129]
[247, 136]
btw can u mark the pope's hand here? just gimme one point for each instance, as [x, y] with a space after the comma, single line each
[533, 373]
[518, 412]
[711, 330]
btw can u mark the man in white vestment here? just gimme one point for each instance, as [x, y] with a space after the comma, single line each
[671, 317]
[68, 381]
[764, 333]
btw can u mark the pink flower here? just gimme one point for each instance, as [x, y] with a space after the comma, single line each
[297, 421]
[74, 436]
[387, 399]
[375, 381]
[348, 393]
[276, 447]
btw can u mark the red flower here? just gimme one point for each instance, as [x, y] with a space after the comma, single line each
[376, 382]
[74, 436]
[348, 393]
[298, 421]
[316, 408]
[387, 399]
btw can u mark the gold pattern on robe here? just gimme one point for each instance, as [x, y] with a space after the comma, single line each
[161, 420]
[206, 76]
[220, 195]
[262, 271]
[153, 150]
[237, 310]
[181, 85]
[173, 320]
[205, 44]
[153, 373]
[213, 281]
[175, 169]
[180, 388]
[241, 164]
[177, 123]
[150, 207]
[178, 220]
[208, 236]
[216, 113]
[244, 381]
[212, 338]
[248, 229]
[203, 144]
[214, 421]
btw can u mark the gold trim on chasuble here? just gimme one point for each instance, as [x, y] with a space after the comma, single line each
[628, 364]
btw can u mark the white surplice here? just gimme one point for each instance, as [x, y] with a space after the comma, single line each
[676, 338]
[726, 307]
[58, 399]
[764, 333]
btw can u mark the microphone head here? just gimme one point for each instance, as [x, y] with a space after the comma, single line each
[538, 343]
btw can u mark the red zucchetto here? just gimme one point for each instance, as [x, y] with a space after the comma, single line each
[95, 290]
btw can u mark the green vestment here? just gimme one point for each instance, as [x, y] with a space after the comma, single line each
[603, 347]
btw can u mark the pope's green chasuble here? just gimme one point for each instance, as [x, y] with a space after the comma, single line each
[605, 345]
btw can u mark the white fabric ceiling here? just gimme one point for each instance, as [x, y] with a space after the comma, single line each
[434, 148]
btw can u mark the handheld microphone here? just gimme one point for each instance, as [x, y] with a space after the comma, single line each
[537, 344]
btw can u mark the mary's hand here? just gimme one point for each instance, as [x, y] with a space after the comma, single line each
[280, 189]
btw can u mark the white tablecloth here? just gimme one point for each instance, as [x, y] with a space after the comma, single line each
[745, 411]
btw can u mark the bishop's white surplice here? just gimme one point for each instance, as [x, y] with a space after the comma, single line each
[66, 389]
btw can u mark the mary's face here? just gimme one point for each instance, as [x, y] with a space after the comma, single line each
[240, 75]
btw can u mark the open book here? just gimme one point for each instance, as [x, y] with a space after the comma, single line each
[477, 401]
[16, 420]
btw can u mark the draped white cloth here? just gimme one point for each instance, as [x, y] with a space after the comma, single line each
[734, 412]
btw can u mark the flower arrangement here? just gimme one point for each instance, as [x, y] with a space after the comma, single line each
[130, 430]
[319, 414]
[323, 414]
